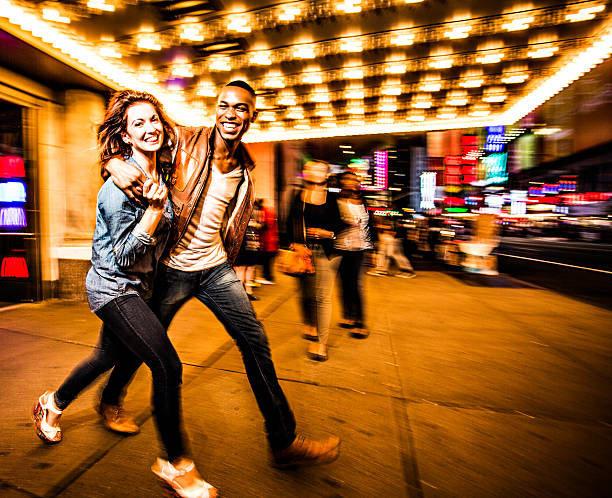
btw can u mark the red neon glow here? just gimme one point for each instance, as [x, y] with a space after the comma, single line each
[454, 201]
[452, 161]
[469, 140]
[14, 266]
[11, 167]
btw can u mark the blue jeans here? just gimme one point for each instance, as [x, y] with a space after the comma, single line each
[132, 334]
[221, 291]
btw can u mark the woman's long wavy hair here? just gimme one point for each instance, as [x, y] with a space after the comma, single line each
[110, 141]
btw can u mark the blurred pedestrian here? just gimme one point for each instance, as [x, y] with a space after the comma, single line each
[313, 221]
[211, 188]
[128, 242]
[248, 256]
[269, 242]
[390, 252]
[352, 244]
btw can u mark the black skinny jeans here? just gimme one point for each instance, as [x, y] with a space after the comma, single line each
[351, 275]
[132, 334]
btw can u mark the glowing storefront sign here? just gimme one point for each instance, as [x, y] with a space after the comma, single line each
[518, 202]
[494, 168]
[386, 212]
[14, 266]
[381, 164]
[13, 191]
[452, 170]
[12, 217]
[495, 139]
[428, 190]
[11, 167]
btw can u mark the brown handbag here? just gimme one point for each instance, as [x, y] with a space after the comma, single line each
[290, 262]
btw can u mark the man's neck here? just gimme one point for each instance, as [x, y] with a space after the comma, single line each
[224, 154]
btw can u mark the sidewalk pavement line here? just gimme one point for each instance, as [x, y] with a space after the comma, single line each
[399, 403]
[9, 485]
[554, 263]
[81, 469]
[56, 339]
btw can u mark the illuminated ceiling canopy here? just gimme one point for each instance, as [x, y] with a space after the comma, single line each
[329, 67]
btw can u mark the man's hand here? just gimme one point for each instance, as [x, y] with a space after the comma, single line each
[127, 177]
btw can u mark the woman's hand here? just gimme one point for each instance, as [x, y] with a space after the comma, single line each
[126, 176]
[319, 233]
[301, 249]
[155, 194]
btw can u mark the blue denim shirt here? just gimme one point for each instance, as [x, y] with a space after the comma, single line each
[124, 259]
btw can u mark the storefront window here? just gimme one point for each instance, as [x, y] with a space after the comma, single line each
[18, 225]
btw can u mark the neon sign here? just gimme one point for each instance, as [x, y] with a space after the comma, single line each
[518, 202]
[381, 166]
[12, 217]
[452, 170]
[428, 190]
[14, 266]
[13, 191]
[494, 169]
[11, 167]
[495, 139]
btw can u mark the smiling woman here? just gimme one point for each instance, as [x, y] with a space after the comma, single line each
[137, 113]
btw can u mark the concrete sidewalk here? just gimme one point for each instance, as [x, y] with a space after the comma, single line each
[466, 387]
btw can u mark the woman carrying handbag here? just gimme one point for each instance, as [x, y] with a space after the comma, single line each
[313, 221]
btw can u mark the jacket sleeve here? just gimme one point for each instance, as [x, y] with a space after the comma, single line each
[335, 223]
[128, 241]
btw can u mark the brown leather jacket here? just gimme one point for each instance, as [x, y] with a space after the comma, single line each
[188, 178]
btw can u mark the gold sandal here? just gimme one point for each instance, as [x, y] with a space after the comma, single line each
[48, 433]
[170, 477]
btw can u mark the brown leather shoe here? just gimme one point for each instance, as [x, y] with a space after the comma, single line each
[115, 419]
[305, 451]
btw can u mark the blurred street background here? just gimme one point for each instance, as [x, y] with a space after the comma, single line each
[477, 138]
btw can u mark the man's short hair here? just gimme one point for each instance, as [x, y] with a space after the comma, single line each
[244, 85]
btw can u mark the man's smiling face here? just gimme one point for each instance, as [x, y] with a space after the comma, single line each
[235, 112]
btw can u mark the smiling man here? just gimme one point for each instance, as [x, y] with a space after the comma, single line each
[212, 195]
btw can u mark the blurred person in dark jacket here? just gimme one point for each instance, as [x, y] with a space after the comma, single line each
[313, 222]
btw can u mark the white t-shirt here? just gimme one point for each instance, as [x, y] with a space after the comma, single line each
[201, 246]
[353, 237]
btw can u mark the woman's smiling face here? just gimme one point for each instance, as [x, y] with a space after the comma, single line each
[144, 130]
